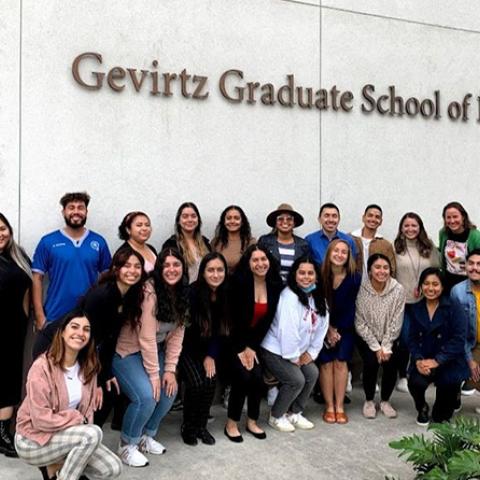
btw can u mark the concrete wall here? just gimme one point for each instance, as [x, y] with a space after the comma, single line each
[137, 151]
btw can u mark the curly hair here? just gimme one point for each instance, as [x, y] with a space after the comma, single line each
[133, 299]
[317, 294]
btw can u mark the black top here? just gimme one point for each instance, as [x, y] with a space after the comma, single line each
[242, 298]
[194, 343]
[126, 244]
[103, 304]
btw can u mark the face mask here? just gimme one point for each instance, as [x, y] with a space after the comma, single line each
[310, 289]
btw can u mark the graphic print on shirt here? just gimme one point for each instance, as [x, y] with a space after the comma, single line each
[455, 253]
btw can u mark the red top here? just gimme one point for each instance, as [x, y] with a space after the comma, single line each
[259, 310]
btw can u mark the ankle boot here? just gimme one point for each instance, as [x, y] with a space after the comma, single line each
[6, 440]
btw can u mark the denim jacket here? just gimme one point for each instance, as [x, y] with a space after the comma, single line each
[462, 294]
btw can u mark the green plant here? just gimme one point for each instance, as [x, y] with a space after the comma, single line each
[453, 453]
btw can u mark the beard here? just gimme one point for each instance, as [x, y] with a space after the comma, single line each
[76, 225]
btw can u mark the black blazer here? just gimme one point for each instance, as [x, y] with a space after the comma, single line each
[242, 300]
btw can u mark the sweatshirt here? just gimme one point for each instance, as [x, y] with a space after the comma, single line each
[379, 316]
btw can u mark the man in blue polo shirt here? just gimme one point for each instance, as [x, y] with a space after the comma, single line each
[329, 218]
[72, 258]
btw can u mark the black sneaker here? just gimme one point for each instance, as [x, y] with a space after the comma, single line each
[423, 418]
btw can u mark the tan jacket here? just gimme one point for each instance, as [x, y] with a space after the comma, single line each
[377, 245]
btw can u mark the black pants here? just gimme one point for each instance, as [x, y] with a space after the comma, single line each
[198, 394]
[445, 396]
[371, 368]
[245, 383]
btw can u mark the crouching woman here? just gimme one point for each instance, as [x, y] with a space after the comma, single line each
[54, 423]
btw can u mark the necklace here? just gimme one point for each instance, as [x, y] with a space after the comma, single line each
[415, 271]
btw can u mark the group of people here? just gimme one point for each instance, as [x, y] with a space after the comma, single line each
[132, 332]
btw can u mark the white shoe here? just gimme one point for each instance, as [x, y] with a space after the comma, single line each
[468, 392]
[272, 396]
[477, 410]
[130, 455]
[402, 385]
[349, 383]
[299, 421]
[150, 445]
[387, 409]
[281, 424]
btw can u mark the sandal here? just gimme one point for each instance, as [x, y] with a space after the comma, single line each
[329, 417]
[341, 417]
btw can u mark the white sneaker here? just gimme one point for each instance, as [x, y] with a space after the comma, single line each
[281, 424]
[468, 392]
[130, 455]
[272, 396]
[299, 421]
[349, 383]
[150, 445]
[402, 385]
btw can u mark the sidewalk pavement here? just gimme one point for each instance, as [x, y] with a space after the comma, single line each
[358, 450]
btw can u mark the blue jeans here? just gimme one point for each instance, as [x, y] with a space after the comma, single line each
[144, 414]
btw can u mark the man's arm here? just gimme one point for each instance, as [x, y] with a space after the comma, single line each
[37, 300]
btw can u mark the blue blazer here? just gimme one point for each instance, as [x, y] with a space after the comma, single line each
[442, 339]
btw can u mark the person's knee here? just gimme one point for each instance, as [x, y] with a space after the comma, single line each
[116, 469]
[94, 434]
[339, 366]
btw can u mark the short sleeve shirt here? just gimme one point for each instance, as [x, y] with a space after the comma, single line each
[72, 266]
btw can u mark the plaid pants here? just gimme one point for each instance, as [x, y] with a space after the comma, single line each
[79, 448]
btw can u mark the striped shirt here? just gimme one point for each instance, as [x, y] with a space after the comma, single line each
[287, 256]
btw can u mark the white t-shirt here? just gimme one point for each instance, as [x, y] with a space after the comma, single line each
[74, 385]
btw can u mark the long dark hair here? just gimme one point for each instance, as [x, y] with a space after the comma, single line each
[14, 251]
[467, 223]
[317, 294]
[132, 301]
[203, 311]
[424, 244]
[87, 356]
[173, 303]
[244, 275]
[221, 233]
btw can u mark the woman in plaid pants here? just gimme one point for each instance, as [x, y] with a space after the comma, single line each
[54, 423]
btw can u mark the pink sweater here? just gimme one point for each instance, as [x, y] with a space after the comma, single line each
[44, 410]
[144, 338]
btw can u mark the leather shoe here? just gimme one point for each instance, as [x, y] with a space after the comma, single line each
[189, 436]
[341, 417]
[206, 437]
[258, 435]
[329, 417]
[234, 439]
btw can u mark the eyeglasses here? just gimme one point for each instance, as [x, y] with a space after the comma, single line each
[285, 218]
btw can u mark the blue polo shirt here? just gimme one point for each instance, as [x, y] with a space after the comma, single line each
[72, 266]
[318, 243]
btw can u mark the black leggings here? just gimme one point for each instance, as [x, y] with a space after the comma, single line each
[445, 396]
[245, 383]
[371, 368]
[198, 394]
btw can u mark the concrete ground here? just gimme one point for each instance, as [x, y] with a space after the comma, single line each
[358, 450]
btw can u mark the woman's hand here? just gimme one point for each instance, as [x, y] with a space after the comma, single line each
[209, 365]
[305, 359]
[169, 383]
[422, 368]
[333, 336]
[474, 370]
[379, 355]
[248, 358]
[112, 382]
[156, 387]
[98, 401]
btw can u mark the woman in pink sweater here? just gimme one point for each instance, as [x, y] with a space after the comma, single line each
[147, 355]
[54, 423]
